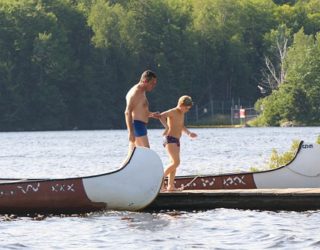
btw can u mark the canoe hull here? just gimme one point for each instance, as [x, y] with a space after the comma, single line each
[302, 172]
[52, 196]
[131, 187]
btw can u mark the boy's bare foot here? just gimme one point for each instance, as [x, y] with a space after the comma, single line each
[173, 189]
[163, 186]
[163, 189]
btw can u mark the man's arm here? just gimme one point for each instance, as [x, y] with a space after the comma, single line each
[155, 115]
[128, 116]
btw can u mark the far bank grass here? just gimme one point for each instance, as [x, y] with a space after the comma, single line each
[277, 160]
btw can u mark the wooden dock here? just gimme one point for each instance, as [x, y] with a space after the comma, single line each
[291, 199]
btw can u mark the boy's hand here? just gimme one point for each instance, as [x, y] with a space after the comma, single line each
[192, 135]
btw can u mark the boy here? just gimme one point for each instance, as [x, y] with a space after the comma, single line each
[173, 121]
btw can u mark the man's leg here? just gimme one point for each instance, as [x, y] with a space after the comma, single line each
[142, 141]
[130, 149]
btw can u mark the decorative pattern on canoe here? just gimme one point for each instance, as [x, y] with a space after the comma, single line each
[232, 181]
[303, 171]
[122, 189]
[65, 195]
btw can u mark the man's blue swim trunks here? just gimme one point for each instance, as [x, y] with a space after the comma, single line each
[140, 128]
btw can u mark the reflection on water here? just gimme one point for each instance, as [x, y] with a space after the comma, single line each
[145, 221]
[213, 229]
[78, 153]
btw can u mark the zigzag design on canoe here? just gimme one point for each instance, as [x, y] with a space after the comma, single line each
[235, 181]
[29, 187]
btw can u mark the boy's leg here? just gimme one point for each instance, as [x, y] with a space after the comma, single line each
[174, 153]
[172, 175]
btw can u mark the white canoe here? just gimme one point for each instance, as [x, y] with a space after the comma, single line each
[302, 172]
[132, 187]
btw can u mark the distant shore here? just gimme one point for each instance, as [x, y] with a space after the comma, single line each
[218, 126]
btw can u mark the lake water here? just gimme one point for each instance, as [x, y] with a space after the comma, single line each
[78, 153]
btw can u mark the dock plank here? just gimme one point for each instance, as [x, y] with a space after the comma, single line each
[292, 199]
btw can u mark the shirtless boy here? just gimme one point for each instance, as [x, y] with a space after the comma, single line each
[173, 121]
[137, 110]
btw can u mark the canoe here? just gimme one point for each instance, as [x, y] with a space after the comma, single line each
[302, 172]
[132, 187]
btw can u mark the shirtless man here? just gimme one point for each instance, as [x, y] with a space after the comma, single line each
[173, 121]
[137, 111]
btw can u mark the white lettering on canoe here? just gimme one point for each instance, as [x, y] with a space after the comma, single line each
[29, 187]
[6, 193]
[206, 182]
[62, 187]
[234, 181]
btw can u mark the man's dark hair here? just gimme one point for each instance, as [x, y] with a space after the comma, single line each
[148, 75]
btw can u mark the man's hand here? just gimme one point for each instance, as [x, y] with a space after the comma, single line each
[155, 115]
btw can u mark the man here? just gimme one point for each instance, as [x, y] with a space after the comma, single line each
[137, 111]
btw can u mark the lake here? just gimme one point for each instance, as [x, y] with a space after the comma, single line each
[78, 153]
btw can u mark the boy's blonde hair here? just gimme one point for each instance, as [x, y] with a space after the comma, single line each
[185, 101]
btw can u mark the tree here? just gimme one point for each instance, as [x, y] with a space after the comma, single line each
[296, 100]
[274, 73]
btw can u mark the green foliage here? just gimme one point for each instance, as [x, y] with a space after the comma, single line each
[105, 20]
[298, 99]
[277, 160]
[67, 64]
[281, 2]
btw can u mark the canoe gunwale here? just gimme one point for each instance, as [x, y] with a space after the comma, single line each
[6, 181]
[243, 173]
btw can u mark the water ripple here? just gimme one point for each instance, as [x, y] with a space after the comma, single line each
[78, 153]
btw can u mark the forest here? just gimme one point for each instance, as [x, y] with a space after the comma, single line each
[67, 64]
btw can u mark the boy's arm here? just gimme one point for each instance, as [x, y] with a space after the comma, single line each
[163, 118]
[189, 133]
[163, 122]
